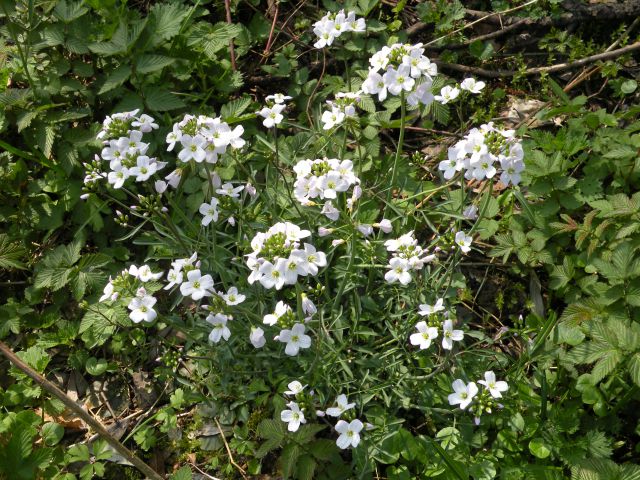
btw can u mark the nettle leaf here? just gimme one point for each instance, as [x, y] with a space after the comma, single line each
[161, 100]
[152, 63]
[634, 368]
[289, 459]
[219, 38]
[271, 429]
[45, 137]
[167, 19]
[562, 275]
[67, 11]
[117, 78]
[235, 108]
[606, 365]
[11, 254]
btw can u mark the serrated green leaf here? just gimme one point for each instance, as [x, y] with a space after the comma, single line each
[161, 100]
[115, 79]
[167, 19]
[153, 63]
[67, 11]
[230, 111]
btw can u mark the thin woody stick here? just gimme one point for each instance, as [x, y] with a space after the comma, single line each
[78, 410]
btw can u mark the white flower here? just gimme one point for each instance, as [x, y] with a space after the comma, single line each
[449, 335]
[331, 118]
[272, 275]
[295, 339]
[482, 169]
[145, 167]
[323, 232]
[421, 94]
[220, 329]
[399, 271]
[463, 394]
[470, 212]
[349, 433]
[209, 212]
[160, 186]
[426, 309]
[294, 416]
[295, 388]
[118, 176]
[144, 273]
[256, 337]
[142, 309]
[281, 309]
[108, 293]
[278, 98]
[175, 278]
[384, 225]
[463, 241]
[197, 285]
[447, 94]
[228, 190]
[329, 211]
[399, 80]
[312, 257]
[343, 406]
[308, 307]
[232, 297]
[512, 170]
[365, 229]
[424, 336]
[470, 85]
[145, 123]
[272, 115]
[375, 84]
[192, 148]
[495, 388]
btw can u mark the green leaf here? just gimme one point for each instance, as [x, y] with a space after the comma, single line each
[306, 467]
[152, 63]
[167, 19]
[117, 78]
[538, 448]
[232, 110]
[161, 100]
[634, 368]
[52, 433]
[96, 366]
[271, 429]
[183, 474]
[68, 11]
[289, 459]
[11, 254]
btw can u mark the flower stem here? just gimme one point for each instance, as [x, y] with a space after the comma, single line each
[394, 172]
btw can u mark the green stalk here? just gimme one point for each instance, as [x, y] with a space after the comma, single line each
[394, 172]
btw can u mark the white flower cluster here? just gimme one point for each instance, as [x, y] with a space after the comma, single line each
[343, 106]
[294, 337]
[325, 178]
[449, 93]
[427, 332]
[481, 150]
[217, 318]
[277, 258]
[203, 139]
[272, 113]
[124, 149]
[141, 305]
[293, 416]
[407, 256]
[463, 394]
[406, 68]
[332, 25]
